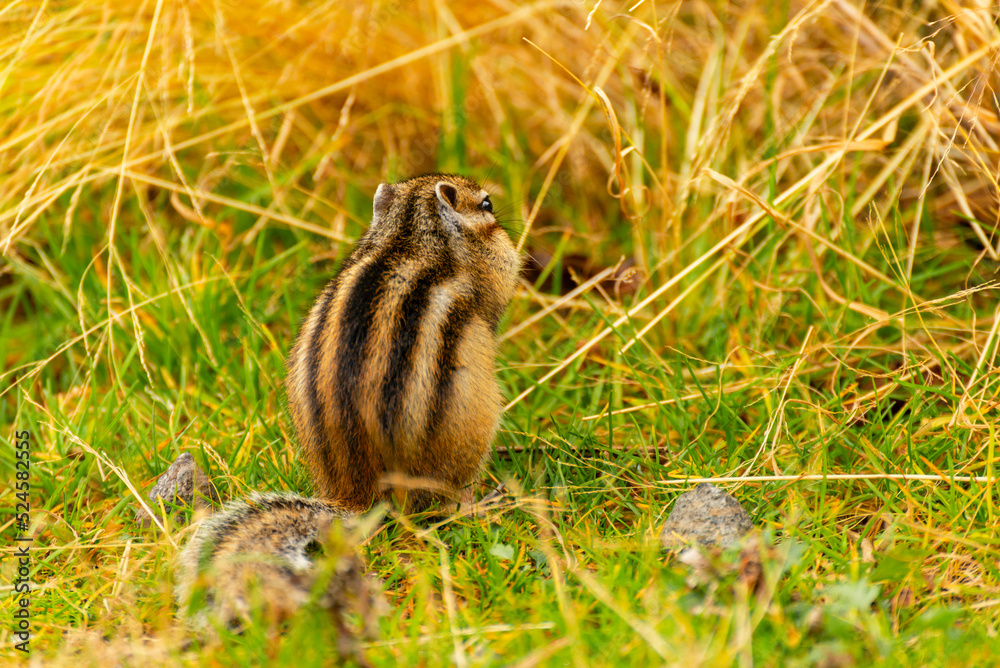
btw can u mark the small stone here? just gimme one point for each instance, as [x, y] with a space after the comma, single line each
[707, 516]
[177, 488]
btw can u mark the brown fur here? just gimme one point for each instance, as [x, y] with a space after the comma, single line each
[392, 374]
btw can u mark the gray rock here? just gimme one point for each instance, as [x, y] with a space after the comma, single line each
[177, 488]
[707, 516]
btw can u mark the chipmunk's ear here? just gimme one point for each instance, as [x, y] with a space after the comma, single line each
[447, 194]
[384, 194]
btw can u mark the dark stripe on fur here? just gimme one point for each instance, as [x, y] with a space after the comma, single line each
[457, 320]
[310, 367]
[406, 333]
[360, 307]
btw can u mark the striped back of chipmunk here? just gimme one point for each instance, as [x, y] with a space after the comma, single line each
[400, 344]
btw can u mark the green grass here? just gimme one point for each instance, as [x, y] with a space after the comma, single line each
[811, 345]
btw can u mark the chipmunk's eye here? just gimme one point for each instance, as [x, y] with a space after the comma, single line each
[486, 205]
[314, 549]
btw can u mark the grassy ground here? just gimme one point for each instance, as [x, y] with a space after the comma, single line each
[806, 195]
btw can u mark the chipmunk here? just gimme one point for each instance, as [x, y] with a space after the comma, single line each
[392, 371]
[391, 386]
[266, 542]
